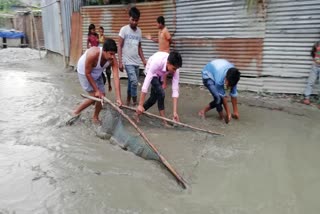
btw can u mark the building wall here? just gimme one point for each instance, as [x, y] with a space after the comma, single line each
[270, 45]
[66, 12]
[57, 32]
[51, 26]
[23, 23]
[7, 21]
[292, 27]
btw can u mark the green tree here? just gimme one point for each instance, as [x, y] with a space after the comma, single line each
[5, 5]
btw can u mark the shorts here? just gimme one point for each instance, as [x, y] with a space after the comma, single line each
[87, 86]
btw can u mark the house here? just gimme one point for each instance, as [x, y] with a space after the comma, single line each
[270, 44]
[17, 17]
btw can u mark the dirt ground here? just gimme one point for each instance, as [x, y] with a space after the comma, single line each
[266, 162]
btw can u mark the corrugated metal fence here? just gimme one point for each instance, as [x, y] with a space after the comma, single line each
[77, 4]
[291, 29]
[270, 45]
[113, 17]
[50, 24]
[66, 12]
[56, 27]
[218, 29]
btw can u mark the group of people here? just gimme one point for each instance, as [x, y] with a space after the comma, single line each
[218, 76]
[97, 40]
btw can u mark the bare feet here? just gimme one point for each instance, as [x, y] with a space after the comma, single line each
[73, 119]
[235, 116]
[74, 114]
[306, 102]
[136, 118]
[96, 121]
[164, 86]
[202, 114]
[134, 101]
[166, 125]
[128, 100]
[227, 119]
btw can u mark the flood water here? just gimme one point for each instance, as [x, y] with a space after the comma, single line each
[267, 162]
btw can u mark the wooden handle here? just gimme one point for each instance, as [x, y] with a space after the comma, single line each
[180, 180]
[172, 121]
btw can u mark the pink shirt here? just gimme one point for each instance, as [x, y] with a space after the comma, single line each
[157, 67]
[93, 40]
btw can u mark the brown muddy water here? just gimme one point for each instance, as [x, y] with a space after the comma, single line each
[267, 162]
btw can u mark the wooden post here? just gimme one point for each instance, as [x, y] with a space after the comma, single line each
[31, 32]
[178, 177]
[62, 34]
[4, 42]
[36, 33]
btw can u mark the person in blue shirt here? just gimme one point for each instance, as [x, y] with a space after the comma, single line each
[217, 76]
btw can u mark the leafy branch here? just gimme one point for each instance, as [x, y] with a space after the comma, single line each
[5, 5]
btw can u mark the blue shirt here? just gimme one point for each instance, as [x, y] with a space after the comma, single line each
[217, 71]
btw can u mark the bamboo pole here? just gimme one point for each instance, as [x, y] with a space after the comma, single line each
[31, 30]
[172, 121]
[163, 118]
[62, 33]
[163, 160]
[36, 33]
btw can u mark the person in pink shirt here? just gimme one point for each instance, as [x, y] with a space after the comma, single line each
[160, 64]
